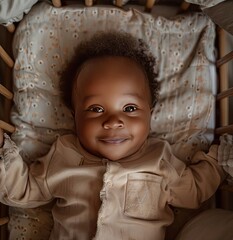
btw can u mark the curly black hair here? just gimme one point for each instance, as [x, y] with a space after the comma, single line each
[105, 44]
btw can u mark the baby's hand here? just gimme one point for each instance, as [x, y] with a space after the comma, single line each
[1, 137]
[225, 153]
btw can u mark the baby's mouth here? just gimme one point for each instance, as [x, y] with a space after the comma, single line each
[113, 140]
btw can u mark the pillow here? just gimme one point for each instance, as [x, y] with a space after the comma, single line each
[183, 46]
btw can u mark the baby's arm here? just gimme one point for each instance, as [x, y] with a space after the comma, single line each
[199, 181]
[18, 187]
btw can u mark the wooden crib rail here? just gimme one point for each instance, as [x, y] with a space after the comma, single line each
[11, 27]
[7, 127]
[5, 92]
[149, 5]
[225, 129]
[56, 3]
[4, 220]
[225, 59]
[90, 3]
[9, 95]
[184, 6]
[225, 92]
[6, 58]
[119, 3]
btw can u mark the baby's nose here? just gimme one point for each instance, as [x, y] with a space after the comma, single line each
[113, 122]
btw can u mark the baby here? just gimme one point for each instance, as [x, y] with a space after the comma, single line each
[110, 180]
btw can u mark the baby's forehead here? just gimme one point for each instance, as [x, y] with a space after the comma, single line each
[111, 75]
[101, 70]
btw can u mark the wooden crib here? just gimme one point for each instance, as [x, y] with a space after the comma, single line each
[223, 98]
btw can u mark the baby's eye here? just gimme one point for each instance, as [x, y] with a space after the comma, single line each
[130, 108]
[96, 109]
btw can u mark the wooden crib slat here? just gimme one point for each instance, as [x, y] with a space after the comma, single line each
[4, 220]
[149, 5]
[89, 3]
[223, 84]
[225, 59]
[5, 92]
[6, 126]
[119, 3]
[225, 94]
[225, 129]
[11, 27]
[56, 3]
[6, 58]
[184, 6]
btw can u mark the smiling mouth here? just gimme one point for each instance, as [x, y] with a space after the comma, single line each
[113, 140]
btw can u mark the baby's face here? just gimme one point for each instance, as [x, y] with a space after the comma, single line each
[111, 99]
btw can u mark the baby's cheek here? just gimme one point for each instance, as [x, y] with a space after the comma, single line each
[141, 130]
[86, 129]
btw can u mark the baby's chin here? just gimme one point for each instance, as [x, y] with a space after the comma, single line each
[114, 151]
[116, 156]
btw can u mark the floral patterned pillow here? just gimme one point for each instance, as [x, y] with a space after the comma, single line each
[183, 46]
